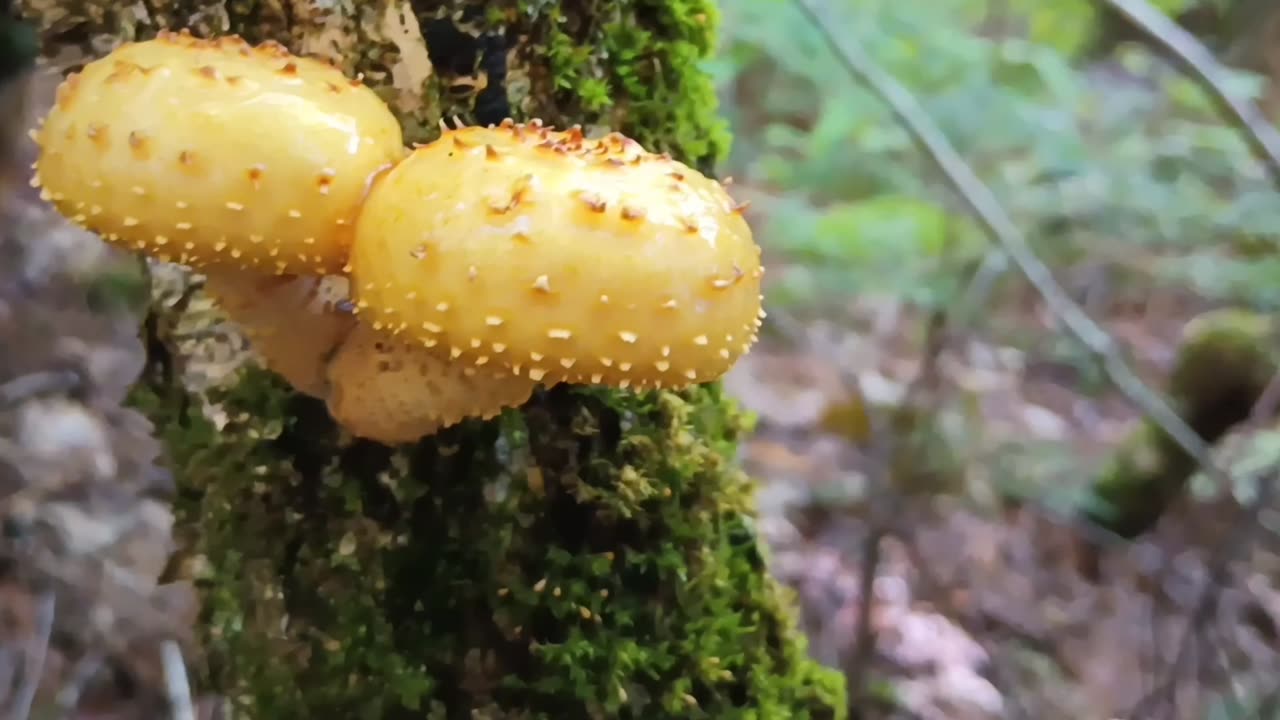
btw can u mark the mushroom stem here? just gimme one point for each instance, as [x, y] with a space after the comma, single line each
[394, 392]
[294, 323]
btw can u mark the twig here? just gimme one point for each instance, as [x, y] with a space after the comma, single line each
[886, 505]
[1001, 227]
[1268, 401]
[33, 667]
[861, 654]
[1258, 130]
[85, 669]
[1243, 535]
[1263, 137]
[1207, 603]
[8, 672]
[1014, 246]
[47, 382]
[177, 688]
[885, 501]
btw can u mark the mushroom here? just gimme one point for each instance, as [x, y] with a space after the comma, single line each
[376, 387]
[294, 323]
[559, 257]
[390, 391]
[216, 153]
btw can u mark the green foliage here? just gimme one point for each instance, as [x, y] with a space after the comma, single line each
[1120, 159]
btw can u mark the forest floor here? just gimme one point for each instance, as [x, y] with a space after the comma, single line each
[984, 607]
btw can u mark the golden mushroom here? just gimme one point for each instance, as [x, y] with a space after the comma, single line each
[560, 257]
[376, 387]
[213, 152]
[384, 389]
[294, 323]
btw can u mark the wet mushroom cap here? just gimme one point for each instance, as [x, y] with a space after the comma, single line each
[388, 391]
[214, 152]
[560, 257]
[293, 323]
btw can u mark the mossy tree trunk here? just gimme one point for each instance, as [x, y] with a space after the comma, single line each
[590, 555]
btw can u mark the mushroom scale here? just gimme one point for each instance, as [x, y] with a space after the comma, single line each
[294, 323]
[386, 390]
[560, 257]
[216, 153]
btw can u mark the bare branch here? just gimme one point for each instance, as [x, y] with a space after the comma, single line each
[33, 666]
[177, 687]
[84, 671]
[1258, 131]
[1001, 227]
[46, 382]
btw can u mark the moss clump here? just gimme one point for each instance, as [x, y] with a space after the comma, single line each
[636, 63]
[1226, 359]
[633, 65]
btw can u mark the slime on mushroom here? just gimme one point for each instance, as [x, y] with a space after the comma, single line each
[407, 289]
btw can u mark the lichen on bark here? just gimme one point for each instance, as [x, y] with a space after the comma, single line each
[588, 555]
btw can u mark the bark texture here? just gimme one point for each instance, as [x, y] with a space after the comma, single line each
[589, 555]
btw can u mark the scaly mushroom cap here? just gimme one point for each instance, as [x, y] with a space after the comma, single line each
[213, 152]
[386, 390]
[294, 323]
[560, 257]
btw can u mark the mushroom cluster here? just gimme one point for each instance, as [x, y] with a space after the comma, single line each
[408, 288]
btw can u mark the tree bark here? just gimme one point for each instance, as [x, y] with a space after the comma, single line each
[589, 555]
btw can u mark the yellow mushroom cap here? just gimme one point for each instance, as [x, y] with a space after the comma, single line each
[386, 390]
[213, 152]
[560, 257]
[294, 323]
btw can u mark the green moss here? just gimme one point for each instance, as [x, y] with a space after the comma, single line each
[1226, 360]
[589, 556]
[636, 64]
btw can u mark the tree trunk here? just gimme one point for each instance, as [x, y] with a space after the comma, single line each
[591, 554]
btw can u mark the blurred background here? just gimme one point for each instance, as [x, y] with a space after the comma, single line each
[931, 436]
[1016, 463]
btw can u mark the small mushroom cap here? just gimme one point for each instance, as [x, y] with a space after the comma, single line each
[213, 152]
[560, 257]
[386, 390]
[294, 323]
